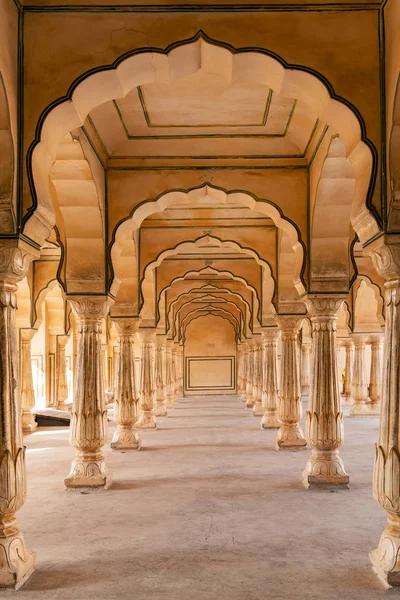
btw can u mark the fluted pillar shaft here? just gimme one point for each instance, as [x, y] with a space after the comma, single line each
[270, 379]
[258, 409]
[161, 396]
[324, 419]
[244, 372]
[126, 398]
[305, 368]
[250, 377]
[348, 371]
[147, 382]
[27, 390]
[375, 380]
[169, 375]
[17, 561]
[359, 384]
[386, 477]
[62, 385]
[88, 429]
[290, 435]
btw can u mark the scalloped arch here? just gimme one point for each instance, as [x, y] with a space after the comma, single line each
[148, 65]
[219, 273]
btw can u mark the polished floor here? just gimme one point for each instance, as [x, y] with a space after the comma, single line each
[207, 510]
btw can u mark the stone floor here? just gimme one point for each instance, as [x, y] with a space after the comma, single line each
[207, 510]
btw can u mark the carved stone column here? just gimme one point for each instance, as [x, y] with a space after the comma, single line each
[180, 370]
[324, 419]
[17, 561]
[147, 383]
[359, 384]
[126, 398]
[244, 371]
[385, 253]
[348, 372]
[270, 379]
[258, 409]
[27, 390]
[88, 430]
[250, 377]
[375, 380]
[169, 375]
[290, 436]
[160, 410]
[62, 385]
[305, 368]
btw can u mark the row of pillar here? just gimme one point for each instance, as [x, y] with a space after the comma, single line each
[324, 420]
[282, 408]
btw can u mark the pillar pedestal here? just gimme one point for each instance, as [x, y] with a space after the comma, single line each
[290, 435]
[27, 390]
[126, 398]
[88, 430]
[147, 385]
[324, 419]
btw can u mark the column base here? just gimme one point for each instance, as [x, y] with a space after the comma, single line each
[125, 438]
[146, 420]
[290, 437]
[17, 561]
[386, 558]
[364, 409]
[346, 400]
[325, 469]
[62, 406]
[270, 421]
[258, 409]
[160, 410]
[28, 423]
[250, 402]
[89, 471]
[170, 402]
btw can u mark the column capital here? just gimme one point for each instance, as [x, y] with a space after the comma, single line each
[346, 342]
[289, 323]
[87, 307]
[385, 254]
[147, 335]
[27, 334]
[62, 340]
[376, 339]
[126, 325]
[359, 339]
[270, 335]
[15, 258]
[324, 305]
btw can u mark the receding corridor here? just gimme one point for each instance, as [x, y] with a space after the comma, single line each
[207, 510]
